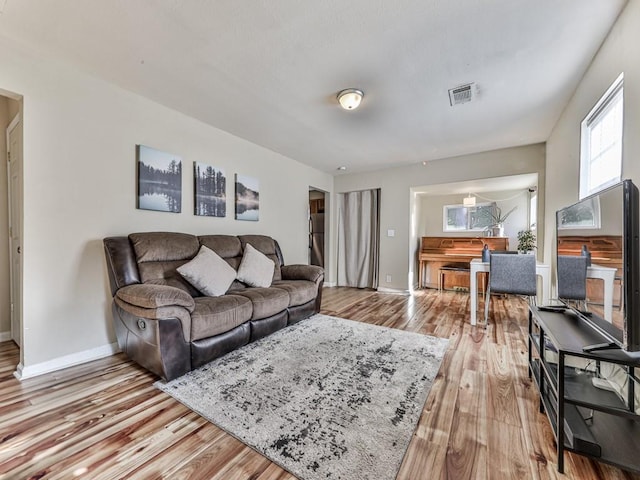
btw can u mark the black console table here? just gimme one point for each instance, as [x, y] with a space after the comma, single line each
[585, 419]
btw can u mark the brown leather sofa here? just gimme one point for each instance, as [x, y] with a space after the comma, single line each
[164, 324]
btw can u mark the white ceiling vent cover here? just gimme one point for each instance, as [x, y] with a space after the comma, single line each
[462, 94]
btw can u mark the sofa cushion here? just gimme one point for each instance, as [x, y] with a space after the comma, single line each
[216, 315]
[300, 291]
[236, 285]
[267, 246]
[209, 273]
[165, 273]
[158, 254]
[255, 268]
[266, 301]
[227, 246]
[163, 246]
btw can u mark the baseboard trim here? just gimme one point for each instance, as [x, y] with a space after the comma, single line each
[329, 284]
[5, 336]
[396, 291]
[66, 361]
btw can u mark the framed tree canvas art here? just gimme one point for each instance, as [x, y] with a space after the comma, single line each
[247, 198]
[210, 190]
[159, 180]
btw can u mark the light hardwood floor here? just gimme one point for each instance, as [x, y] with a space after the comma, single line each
[105, 420]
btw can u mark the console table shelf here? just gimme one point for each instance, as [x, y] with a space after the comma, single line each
[590, 421]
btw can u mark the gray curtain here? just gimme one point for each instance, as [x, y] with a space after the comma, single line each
[358, 238]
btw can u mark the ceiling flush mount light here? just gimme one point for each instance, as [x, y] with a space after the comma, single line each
[469, 201]
[350, 98]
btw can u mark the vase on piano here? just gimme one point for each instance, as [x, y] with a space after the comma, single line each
[497, 230]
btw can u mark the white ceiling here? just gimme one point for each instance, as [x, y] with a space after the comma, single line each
[268, 70]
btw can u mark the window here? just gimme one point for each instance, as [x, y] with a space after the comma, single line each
[601, 139]
[581, 215]
[458, 218]
[533, 209]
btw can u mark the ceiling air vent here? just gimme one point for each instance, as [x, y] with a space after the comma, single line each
[461, 94]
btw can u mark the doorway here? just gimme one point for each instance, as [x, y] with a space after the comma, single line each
[11, 219]
[14, 176]
[317, 202]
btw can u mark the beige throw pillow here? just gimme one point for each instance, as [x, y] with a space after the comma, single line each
[208, 272]
[255, 268]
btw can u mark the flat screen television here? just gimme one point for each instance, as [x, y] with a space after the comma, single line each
[604, 228]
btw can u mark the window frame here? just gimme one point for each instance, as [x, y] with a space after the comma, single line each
[613, 94]
[468, 213]
[533, 210]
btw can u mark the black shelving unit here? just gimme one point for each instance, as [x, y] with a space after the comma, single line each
[586, 420]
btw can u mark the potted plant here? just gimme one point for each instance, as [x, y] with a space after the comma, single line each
[526, 241]
[497, 221]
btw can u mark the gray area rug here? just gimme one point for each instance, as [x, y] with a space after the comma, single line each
[326, 398]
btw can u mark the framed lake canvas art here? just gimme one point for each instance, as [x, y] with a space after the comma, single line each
[210, 190]
[159, 180]
[247, 198]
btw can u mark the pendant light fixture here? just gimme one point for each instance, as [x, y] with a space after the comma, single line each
[469, 201]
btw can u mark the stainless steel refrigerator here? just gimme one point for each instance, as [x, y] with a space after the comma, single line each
[316, 239]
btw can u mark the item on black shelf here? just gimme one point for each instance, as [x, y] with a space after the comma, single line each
[552, 308]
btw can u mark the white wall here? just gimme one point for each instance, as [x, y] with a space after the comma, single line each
[619, 53]
[80, 186]
[397, 254]
[430, 220]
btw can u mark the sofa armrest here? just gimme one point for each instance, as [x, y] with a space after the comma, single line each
[158, 314]
[157, 339]
[311, 273]
[155, 296]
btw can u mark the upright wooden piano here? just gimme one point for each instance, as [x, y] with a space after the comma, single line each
[437, 252]
[606, 251]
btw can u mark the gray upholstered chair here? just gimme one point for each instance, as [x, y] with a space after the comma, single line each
[572, 278]
[512, 274]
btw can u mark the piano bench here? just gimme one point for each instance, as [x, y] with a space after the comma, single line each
[458, 268]
[452, 267]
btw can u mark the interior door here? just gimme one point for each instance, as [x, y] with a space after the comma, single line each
[14, 147]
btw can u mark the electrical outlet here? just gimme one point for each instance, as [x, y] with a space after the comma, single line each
[388, 278]
[391, 233]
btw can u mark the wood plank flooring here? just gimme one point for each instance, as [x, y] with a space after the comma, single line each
[105, 420]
